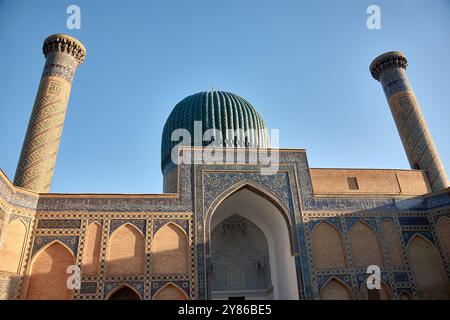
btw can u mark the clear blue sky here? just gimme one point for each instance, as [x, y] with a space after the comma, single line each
[302, 64]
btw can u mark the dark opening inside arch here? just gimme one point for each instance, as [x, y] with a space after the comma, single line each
[125, 293]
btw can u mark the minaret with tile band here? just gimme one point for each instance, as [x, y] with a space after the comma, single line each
[40, 148]
[390, 70]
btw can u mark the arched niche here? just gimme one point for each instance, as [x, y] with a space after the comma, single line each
[48, 273]
[427, 269]
[327, 247]
[91, 251]
[126, 251]
[11, 251]
[335, 289]
[260, 208]
[124, 292]
[170, 292]
[239, 259]
[170, 251]
[365, 245]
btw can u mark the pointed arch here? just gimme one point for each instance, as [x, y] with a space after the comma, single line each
[124, 292]
[259, 190]
[11, 252]
[126, 251]
[365, 245]
[260, 207]
[59, 242]
[384, 293]
[427, 269]
[170, 291]
[170, 250]
[335, 289]
[48, 273]
[91, 251]
[327, 246]
[404, 296]
[393, 243]
[443, 227]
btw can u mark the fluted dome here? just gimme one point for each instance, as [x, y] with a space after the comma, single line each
[216, 110]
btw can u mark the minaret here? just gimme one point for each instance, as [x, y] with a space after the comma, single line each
[390, 69]
[37, 160]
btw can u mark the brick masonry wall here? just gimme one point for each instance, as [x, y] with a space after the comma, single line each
[65, 218]
[370, 182]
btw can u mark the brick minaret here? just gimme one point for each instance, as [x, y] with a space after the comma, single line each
[390, 69]
[37, 160]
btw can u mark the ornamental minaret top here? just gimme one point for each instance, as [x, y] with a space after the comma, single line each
[65, 44]
[40, 148]
[390, 69]
[387, 60]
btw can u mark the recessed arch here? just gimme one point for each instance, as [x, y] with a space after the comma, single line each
[259, 190]
[91, 251]
[384, 293]
[365, 245]
[124, 292]
[239, 260]
[394, 246]
[427, 268]
[404, 296]
[126, 251]
[253, 203]
[170, 291]
[170, 250]
[335, 289]
[11, 251]
[48, 275]
[327, 246]
[443, 228]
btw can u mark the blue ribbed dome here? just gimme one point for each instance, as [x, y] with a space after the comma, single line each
[216, 110]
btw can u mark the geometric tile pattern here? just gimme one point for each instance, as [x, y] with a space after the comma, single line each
[59, 224]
